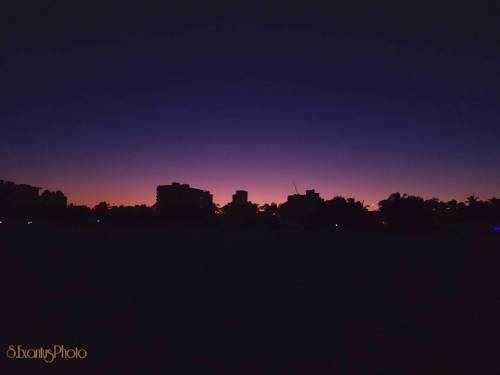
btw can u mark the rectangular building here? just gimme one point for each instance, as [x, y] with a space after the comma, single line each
[178, 196]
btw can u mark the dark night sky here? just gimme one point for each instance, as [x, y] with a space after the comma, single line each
[106, 101]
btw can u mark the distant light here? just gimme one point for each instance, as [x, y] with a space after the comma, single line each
[29, 222]
[384, 222]
[496, 229]
[1, 222]
[336, 225]
[98, 220]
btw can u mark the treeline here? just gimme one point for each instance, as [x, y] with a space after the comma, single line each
[397, 213]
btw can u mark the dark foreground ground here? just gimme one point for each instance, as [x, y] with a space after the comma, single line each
[248, 302]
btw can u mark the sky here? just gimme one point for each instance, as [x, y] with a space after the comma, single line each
[106, 100]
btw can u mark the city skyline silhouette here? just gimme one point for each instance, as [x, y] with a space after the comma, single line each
[183, 205]
[296, 191]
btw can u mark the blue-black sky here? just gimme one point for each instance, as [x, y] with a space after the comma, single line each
[105, 100]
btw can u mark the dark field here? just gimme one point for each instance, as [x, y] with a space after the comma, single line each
[249, 302]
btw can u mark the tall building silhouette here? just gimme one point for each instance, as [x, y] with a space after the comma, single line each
[182, 196]
[240, 197]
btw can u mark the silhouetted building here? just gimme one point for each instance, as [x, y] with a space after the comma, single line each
[309, 200]
[240, 197]
[14, 195]
[301, 209]
[182, 196]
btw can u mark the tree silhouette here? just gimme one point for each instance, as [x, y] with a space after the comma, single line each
[240, 213]
[406, 212]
